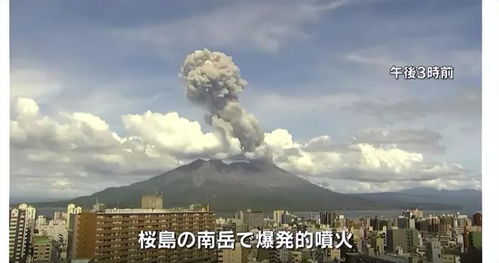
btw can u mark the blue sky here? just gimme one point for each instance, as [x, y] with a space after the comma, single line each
[314, 68]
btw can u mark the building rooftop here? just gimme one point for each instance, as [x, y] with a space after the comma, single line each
[149, 211]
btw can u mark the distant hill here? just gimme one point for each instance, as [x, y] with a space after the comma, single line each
[469, 200]
[258, 185]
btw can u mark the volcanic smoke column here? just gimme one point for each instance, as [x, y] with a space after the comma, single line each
[214, 81]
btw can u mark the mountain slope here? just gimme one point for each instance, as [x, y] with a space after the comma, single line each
[258, 185]
[261, 185]
[468, 200]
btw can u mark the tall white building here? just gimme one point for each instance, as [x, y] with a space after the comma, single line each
[278, 216]
[434, 251]
[152, 201]
[21, 231]
[72, 209]
[57, 230]
[236, 255]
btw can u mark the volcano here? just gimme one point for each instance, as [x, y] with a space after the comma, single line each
[256, 184]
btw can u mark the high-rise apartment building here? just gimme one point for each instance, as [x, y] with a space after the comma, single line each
[405, 239]
[434, 251]
[112, 235]
[21, 231]
[252, 219]
[152, 201]
[279, 216]
[477, 219]
[72, 209]
[326, 218]
[236, 255]
[43, 250]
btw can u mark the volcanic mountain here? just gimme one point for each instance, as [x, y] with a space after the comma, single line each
[257, 184]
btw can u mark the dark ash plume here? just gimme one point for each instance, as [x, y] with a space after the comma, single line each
[214, 81]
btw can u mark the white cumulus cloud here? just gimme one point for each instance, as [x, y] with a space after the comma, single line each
[76, 149]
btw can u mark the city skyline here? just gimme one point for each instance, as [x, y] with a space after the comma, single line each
[156, 233]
